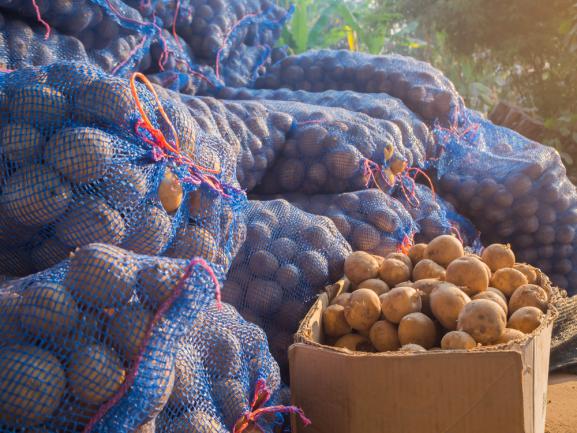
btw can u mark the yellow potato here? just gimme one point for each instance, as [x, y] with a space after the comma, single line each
[393, 271]
[498, 293]
[95, 373]
[417, 253]
[21, 143]
[425, 287]
[403, 258]
[342, 299]
[417, 328]
[150, 232]
[507, 280]
[510, 335]
[484, 320]
[127, 329]
[354, 343]
[498, 256]
[444, 249]
[447, 302]
[427, 268]
[157, 280]
[528, 295]
[106, 101]
[170, 192]
[492, 296]
[363, 309]
[334, 322]
[399, 302]
[525, 319]
[40, 105]
[193, 241]
[469, 274]
[374, 284]
[528, 271]
[412, 348]
[384, 337]
[457, 340]
[32, 383]
[361, 266]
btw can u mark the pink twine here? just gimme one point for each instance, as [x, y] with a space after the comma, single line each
[130, 55]
[122, 17]
[219, 53]
[165, 51]
[455, 230]
[176, 8]
[129, 381]
[39, 18]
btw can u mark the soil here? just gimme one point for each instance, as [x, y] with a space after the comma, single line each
[562, 404]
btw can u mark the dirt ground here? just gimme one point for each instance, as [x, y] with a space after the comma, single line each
[562, 404]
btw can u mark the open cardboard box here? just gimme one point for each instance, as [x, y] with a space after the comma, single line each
[498, 389]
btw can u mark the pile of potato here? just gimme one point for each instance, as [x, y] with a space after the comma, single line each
[69, 336]
[438, 296]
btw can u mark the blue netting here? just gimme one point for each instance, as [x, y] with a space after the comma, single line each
[78, 167]
[219, 365]
[287, 258]
[93, 340]
[424, 89]
[514, 190]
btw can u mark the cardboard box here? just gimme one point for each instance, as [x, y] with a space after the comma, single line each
[485, 390]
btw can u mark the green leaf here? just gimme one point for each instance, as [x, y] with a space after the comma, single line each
[300, 26]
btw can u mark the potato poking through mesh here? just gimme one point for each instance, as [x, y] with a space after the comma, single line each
[393, 272]
[384, 336]
[399, 302]
[170, 192]
[444, 249]
[334, 322]
[361, 266]
[417, 328]
[525, 319]
[457, 340]
[498, 256]
[528, 295]
[363, 309]
[483, 320]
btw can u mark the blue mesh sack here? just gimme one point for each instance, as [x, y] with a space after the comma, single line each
[424, 89]
[225, 378]
[415, 133]
[82, 162]
[90, 345]
[514, 190]
[287, 258]
[333, 150]
[369, 220]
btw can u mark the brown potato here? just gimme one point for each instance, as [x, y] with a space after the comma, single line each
[170, 192]
[426, 269]
[469, 274]
[21, 143]
[425, 287]
[417, 328]
[507, 280]
[482, 319]
[127, 329]
[498, 256]
[334, 322]
[492, 296]
[444, 249]
[363, 309]
[417, 253]
[528, 295]
[497, 292]
[457, 340]
[384, 336]
[393, 271]
[399, 302]
[361, 266]
[157, 280]
[528, 271]
[510, 335]
[264, 297]
[403, 258]
[525, 319]
[342, 299]
[447, 302]
[374, 284]
[412, 348]
[354, 343]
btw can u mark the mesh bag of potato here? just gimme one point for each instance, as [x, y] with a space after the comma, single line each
[83, 162]
[369, 220]
[424, 89]
[514, 190]
[418, 144]
[225, 379]
[89, 345]
[287, 258]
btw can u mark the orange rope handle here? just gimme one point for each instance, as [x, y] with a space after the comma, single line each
[406, 244]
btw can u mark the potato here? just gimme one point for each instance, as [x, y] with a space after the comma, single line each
[507, 280]
[21, 143]
[81, 154]
[363, 309]
[170, 192]
[384, 337]
[412, 348]
[233, 399]
[354, 343]
[498, 293]
[365, 237]
[492, 296]
[127, 329]
[224, 356]
[457, 340]
[482, 319]
[425, 287]
[528, 271]
[528, 295]
[314, 268]
[10, 331]
[157, 280]
[32, 383]
[334, 322]
[95, 373]
[105, 101]
[403, 258]
[200, 204]
[510, 334]
[263, 263]
[469, 274]
[342, 299]
[444, 249]
[417, 328]
[187, 368]
[124, 186]
[288, 276]
[35, 195]
[399, 302]
[525, 319]
[426, 269]
[393, 271]
[198, 422]
[498, 256]
[417, 253]
[90, 220]
[374, 284]
[40, 105]
[361, 266]
[101, 276]
[290, 314]
[47, 309]
[264, 297]
[48, 253]
[150, 232]
[447, 302]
